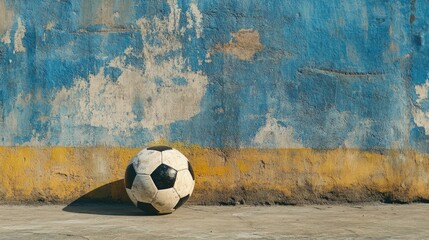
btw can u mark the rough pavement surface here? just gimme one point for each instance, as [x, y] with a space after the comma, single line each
[377, 221]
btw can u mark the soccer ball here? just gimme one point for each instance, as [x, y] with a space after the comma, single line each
[159, 180]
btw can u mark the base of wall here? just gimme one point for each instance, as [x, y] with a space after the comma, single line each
[223, 176]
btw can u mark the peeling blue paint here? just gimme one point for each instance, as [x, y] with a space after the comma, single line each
[339, 73]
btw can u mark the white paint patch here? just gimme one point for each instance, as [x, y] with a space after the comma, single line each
[6, 38]
[422, 91]
[19, 35]
[36, 140]
[174, 17]
[208, 57]
[357, 136]
[101, 101]
[129, 50]
[50, 25]
[421, 118]
[273, 135]
[6, 18]
[98, 101]
[189, 20]
[198, 18]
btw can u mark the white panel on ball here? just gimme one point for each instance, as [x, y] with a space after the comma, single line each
[165, 200]
[184, 184]
[146, 161]
[175, 159]
[144, 190]
[131, 195]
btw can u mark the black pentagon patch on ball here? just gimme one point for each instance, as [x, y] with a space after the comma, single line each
[181, 201]
[191, 171]
[160, 148]
[130, 174]
[164, 177]
[147, 208]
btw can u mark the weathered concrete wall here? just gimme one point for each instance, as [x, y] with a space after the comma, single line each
[273, 101]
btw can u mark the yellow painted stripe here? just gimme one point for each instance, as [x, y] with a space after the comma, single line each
[63, 174]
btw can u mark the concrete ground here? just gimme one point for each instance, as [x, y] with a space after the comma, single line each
[372, 221]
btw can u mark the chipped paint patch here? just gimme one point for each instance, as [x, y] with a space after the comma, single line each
[198, 18]
[358, 134]
[50, 25]
[243, 45]
[174, 17]
[273, 135]
[6, 38]
[6, 22]
[422, 91]
[158, 57]
[421, 118]
[99, 101]
[19, 35]
[6, 18]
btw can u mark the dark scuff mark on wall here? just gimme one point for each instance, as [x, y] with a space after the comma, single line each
[309, 70]
[413, 12]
